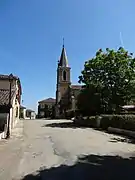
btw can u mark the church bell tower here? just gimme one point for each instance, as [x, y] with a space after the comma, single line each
[63, 77]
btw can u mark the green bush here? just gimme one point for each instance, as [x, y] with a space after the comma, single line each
[118, 121]
[91, 121]
[69, 114]
[87, 121]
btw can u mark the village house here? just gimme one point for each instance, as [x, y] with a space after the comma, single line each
[22, 112]
[45, 107]
[30, 114]
[10, 98]
[27, 113]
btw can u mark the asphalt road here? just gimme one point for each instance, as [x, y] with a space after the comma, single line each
[57, 150]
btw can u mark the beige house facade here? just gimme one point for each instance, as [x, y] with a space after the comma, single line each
[10, 98]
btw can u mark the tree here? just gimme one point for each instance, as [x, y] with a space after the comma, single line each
[88, 101]
[53, 111]
[113, 74]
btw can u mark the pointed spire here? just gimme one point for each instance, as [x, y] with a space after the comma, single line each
[63, 58]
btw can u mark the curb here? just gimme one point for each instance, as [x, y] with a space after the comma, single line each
[121, 132]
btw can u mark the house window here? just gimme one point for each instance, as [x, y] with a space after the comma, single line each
[16, 101]
[16, 111]
[41, 106]
[64, 75]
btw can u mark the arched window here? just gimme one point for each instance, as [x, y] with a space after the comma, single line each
[64, 75]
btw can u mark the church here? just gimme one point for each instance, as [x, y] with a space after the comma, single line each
[66, 92]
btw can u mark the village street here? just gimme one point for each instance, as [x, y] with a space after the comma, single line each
[58, 150]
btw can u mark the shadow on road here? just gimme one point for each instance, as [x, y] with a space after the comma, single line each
[63, 125]
[92, 167]
[73, 125]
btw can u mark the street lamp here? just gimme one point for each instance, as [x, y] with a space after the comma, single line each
[9, 104]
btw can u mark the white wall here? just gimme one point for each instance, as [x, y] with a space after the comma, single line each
[24, 113]
[15, 104]
[33, 115]
[13, 112]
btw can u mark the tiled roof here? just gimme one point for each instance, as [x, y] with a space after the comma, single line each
[22, 107]
[6, 77]
[2, 76]
[30, 110]
[49, 100]
[78, 87]
[4, 96]
[63, 58]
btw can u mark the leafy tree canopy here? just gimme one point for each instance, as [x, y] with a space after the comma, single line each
[88, 101]
[113, 74]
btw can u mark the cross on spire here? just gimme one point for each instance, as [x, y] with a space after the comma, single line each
[63, 42]
[63, 58]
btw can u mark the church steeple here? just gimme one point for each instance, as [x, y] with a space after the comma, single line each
[63, 58]
[63, 80]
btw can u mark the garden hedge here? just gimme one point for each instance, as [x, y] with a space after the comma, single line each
[126, 122]
[91, 121]
[118, 121]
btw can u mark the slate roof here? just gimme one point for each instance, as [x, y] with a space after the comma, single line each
[49, 100]
[63, 58]
[4, 96]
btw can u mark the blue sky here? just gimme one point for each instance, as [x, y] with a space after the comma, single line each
[31, 33]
